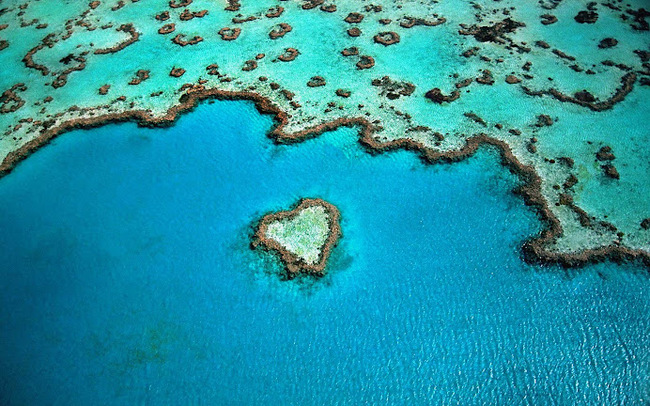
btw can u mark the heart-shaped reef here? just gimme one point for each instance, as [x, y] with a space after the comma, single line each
[303, 236]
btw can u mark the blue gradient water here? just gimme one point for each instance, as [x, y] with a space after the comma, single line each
[127, 278]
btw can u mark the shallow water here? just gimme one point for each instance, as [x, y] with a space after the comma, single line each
[127, 278]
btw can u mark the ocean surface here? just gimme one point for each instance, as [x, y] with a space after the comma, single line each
[127, 278]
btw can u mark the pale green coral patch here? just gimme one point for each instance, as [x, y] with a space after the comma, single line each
[303, 235]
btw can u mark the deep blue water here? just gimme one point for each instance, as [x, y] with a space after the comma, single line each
[127, 279]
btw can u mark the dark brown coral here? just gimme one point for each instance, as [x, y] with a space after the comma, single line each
[10, 101]
[350, 51]
[104, 90]
[393, 89]
[354, 18]
[177, 72]
[492, 33]
[181, 3]
[607, 43]
[167, 29]
[140, 76]
[343, 93]
[280, 31]
[274, 12]
[365, 62]
[229, 34]
[512, 79]
[436, 96]
[410, 22]
[354, 32]
[586, 17]
[249, 65]
[316, 81]
[133, 37]
[180, 40]
[289, 55]
[387, 38]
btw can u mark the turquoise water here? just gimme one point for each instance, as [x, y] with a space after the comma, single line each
[128, 279]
